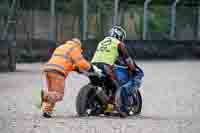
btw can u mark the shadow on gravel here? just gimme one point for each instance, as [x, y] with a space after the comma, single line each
[111, 117]
[136, 117]
[76, 117]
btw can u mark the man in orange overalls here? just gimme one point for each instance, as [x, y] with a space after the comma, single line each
[65, 58]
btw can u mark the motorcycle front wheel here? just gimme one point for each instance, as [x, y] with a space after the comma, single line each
[135, 103]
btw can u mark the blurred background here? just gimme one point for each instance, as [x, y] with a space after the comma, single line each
[156, 29]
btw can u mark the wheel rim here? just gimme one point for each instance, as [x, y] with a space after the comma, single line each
[134, 105]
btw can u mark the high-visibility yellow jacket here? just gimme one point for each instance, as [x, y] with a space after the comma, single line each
[107, 51]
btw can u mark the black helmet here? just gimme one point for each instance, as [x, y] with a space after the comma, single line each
[117, 32]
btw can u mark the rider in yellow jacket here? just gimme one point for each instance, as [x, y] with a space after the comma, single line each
[109, 50]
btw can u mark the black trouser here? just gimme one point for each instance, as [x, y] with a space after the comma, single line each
[110, 76]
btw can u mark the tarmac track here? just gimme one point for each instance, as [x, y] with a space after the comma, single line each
[171, 102]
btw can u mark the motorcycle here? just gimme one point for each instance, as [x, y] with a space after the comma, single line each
[94, 98]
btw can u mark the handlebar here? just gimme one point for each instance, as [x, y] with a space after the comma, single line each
[96, 72]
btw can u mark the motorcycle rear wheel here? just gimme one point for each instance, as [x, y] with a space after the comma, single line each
[87, 103]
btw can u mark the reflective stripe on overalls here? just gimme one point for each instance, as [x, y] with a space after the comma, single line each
[65, 56]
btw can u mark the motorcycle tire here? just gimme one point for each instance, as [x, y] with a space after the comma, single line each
[82, 99]
[137, 102]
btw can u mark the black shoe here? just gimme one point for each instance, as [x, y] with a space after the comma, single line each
[46, 114]
[122, 114]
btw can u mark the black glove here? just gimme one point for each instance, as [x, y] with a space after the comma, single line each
[77, 69]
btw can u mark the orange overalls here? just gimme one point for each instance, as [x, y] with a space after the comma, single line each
[62, 62]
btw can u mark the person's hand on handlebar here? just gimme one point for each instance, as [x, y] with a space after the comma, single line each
[76, 68]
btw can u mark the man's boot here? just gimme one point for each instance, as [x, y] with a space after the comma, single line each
[47, 107]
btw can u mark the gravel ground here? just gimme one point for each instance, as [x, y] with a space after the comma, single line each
[171, 102]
